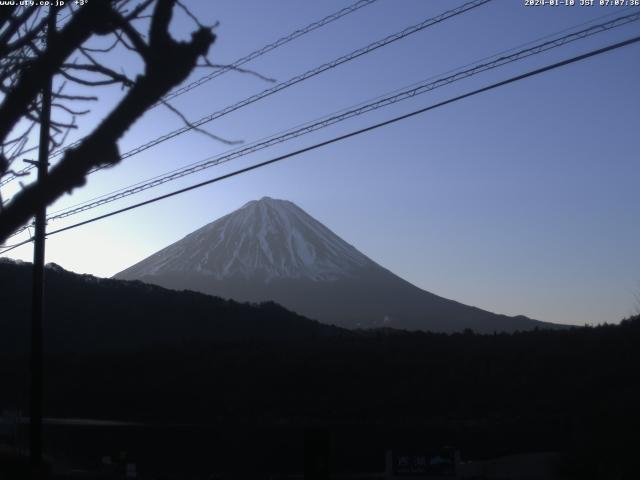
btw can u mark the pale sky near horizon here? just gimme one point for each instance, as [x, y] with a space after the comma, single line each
[521, 200]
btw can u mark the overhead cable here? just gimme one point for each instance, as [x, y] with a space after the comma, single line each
[361, 109]
[493, 86]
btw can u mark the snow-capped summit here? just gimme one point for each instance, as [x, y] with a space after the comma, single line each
[273, 250]
[264, 239]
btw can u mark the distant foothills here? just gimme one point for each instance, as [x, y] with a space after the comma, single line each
[272, 250]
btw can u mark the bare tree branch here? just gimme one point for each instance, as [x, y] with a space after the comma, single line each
[88, 20]
[198, 129]
[167, 63]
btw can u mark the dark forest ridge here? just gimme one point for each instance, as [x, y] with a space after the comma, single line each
[272, 250]
[87, 313]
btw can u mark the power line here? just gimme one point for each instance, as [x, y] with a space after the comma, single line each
[302, 77]
[476, 62]
[344, 115]
[326, 121]
[267, 48]
[226, 68]
[493, 86]
[309, 74]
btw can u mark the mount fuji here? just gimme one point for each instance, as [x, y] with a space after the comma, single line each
[273, 250]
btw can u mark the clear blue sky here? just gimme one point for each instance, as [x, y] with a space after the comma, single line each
[521, 201]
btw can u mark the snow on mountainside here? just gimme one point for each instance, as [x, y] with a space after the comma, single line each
[267, 239]
[272, 250]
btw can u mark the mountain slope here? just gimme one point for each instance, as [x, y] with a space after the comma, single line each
[273, 250]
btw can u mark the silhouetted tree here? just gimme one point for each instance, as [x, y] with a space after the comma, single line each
[27, 62]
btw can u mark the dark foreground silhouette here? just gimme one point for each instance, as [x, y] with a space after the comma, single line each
[215, 404]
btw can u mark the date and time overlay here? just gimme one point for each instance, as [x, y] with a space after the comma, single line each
[526, 3]
[581, 3]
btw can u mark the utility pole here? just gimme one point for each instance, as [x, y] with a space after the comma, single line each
[37, 302]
